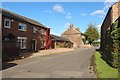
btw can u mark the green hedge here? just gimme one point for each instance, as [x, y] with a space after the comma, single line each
[111, 51]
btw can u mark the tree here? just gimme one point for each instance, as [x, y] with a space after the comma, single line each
[92, 33]
[78, 29]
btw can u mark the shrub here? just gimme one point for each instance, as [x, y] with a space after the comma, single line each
[111, 51]
[10, 53]
[67, 45]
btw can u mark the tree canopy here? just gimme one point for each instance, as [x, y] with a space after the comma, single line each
[92, 33]
[78, 29]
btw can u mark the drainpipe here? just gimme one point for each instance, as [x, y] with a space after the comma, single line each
[47, 37]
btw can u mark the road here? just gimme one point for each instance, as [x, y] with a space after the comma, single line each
[74, 64]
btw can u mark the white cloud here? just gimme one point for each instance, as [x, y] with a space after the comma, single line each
[68, 13]
[101, 16]
[98, 12]
[67, 25]
[68, 16]
[99, 27]
[106, 1]
[48, 11]
[58, 8]
[107, 4]
[55, 33]
[83, 14]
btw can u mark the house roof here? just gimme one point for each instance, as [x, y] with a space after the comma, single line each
[58, 38]
[71, 31]
[22, 18]
[83, 34]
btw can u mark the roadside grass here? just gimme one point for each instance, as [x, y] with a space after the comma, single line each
[103, 70]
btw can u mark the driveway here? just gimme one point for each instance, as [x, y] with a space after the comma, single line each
[73, 64]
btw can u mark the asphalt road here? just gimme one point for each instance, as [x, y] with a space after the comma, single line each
[74, 64]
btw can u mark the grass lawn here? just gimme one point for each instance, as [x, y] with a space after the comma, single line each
[103, 69]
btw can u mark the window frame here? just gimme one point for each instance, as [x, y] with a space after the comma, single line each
[23, 42]
[43, 44]
[5, 23]
[24, 27]
[43, 31]
[34, 30]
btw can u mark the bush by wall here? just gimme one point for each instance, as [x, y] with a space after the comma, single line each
[111, 51]
[10, 53]
[68, 45]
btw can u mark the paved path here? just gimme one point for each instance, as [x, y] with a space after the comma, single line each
[51, 51]
[74, 64]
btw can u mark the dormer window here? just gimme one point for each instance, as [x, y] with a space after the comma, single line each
[7, 23]
[22, 27]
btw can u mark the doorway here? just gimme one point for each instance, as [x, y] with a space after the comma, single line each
[34, 44]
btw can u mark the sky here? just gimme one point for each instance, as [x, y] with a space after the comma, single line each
[59, 15]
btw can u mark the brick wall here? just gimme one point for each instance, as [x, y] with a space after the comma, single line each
[115, 11]
[74, 36]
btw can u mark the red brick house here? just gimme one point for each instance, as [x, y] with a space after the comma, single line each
[22, 34]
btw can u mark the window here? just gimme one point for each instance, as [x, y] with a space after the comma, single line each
[22, 42]
[7, 23]
[42, 45]
[6, 39]
[43, 31]
[34, 29]
[22, 27]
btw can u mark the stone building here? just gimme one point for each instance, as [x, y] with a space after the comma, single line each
[74, 36]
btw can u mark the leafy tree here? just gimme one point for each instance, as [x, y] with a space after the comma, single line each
[78, 29]
[92, 33]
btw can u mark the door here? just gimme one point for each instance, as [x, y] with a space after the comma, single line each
[34, 44]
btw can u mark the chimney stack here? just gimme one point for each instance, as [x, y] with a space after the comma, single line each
[71, 26]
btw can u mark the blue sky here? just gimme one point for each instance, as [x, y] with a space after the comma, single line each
[58, 15]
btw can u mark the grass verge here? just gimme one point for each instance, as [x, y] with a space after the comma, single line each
[103, 70]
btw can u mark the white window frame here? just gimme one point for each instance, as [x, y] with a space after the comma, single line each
[8, 24]
[34, 30]
[23, 41]
[42, 46]
[43, 31]
[24, 27]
